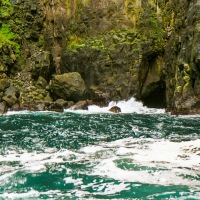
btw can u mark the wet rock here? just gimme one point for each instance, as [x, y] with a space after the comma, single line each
[54, 107]
[115, 109]
[68, 86]
[62, 102]
[3, 107]
[81, 105]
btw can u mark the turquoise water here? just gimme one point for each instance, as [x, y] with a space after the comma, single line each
[99, 156]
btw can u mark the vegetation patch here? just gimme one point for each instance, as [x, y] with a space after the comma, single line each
[7, 37]
[6, 9]
[75, 43]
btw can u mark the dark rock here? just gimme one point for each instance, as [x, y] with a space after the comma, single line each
[115, 109]
[63, 103]
[54, 107]
[3, 107]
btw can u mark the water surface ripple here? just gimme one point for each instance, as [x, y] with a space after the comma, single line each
[46, 155]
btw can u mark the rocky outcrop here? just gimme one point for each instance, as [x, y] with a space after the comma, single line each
[101, 50]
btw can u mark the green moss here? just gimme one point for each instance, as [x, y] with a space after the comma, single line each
[75, 43]
[7, 37]
[151, 31]
[7, 9]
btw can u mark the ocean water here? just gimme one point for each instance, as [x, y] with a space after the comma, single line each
[140, 153]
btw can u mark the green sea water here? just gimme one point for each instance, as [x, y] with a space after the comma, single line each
[84, 155]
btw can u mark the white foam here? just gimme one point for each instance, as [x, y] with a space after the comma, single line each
[173, 161]
[130, 106]
[74, 181]
[110, 188]
[151, 161]
[30, 194]
[91, 149]
[25, 112]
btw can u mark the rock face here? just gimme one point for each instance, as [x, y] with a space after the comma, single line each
[107, 49]
[68, 86]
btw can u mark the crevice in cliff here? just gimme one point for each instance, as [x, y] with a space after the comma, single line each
[157, 97]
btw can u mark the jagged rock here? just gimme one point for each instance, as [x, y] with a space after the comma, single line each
[115, 109]
[43, 66]
[41, 82]
[81, 105]
[3, 107]
[62, 102]
[12, 91]
[54, 107]
[11, 95]
[68, 86]
[4, 83]
[10, 100]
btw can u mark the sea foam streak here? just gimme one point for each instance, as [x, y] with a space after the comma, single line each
[150, 161]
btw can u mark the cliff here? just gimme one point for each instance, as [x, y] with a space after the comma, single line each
[59, 51]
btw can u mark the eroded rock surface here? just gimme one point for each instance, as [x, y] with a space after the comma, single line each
[120, 48]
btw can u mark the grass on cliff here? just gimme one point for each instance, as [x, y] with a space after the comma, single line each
[7, 38]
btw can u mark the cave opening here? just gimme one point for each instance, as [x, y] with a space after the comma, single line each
[156, 98]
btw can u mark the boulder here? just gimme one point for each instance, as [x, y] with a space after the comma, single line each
[115, 109]
[68, 86]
